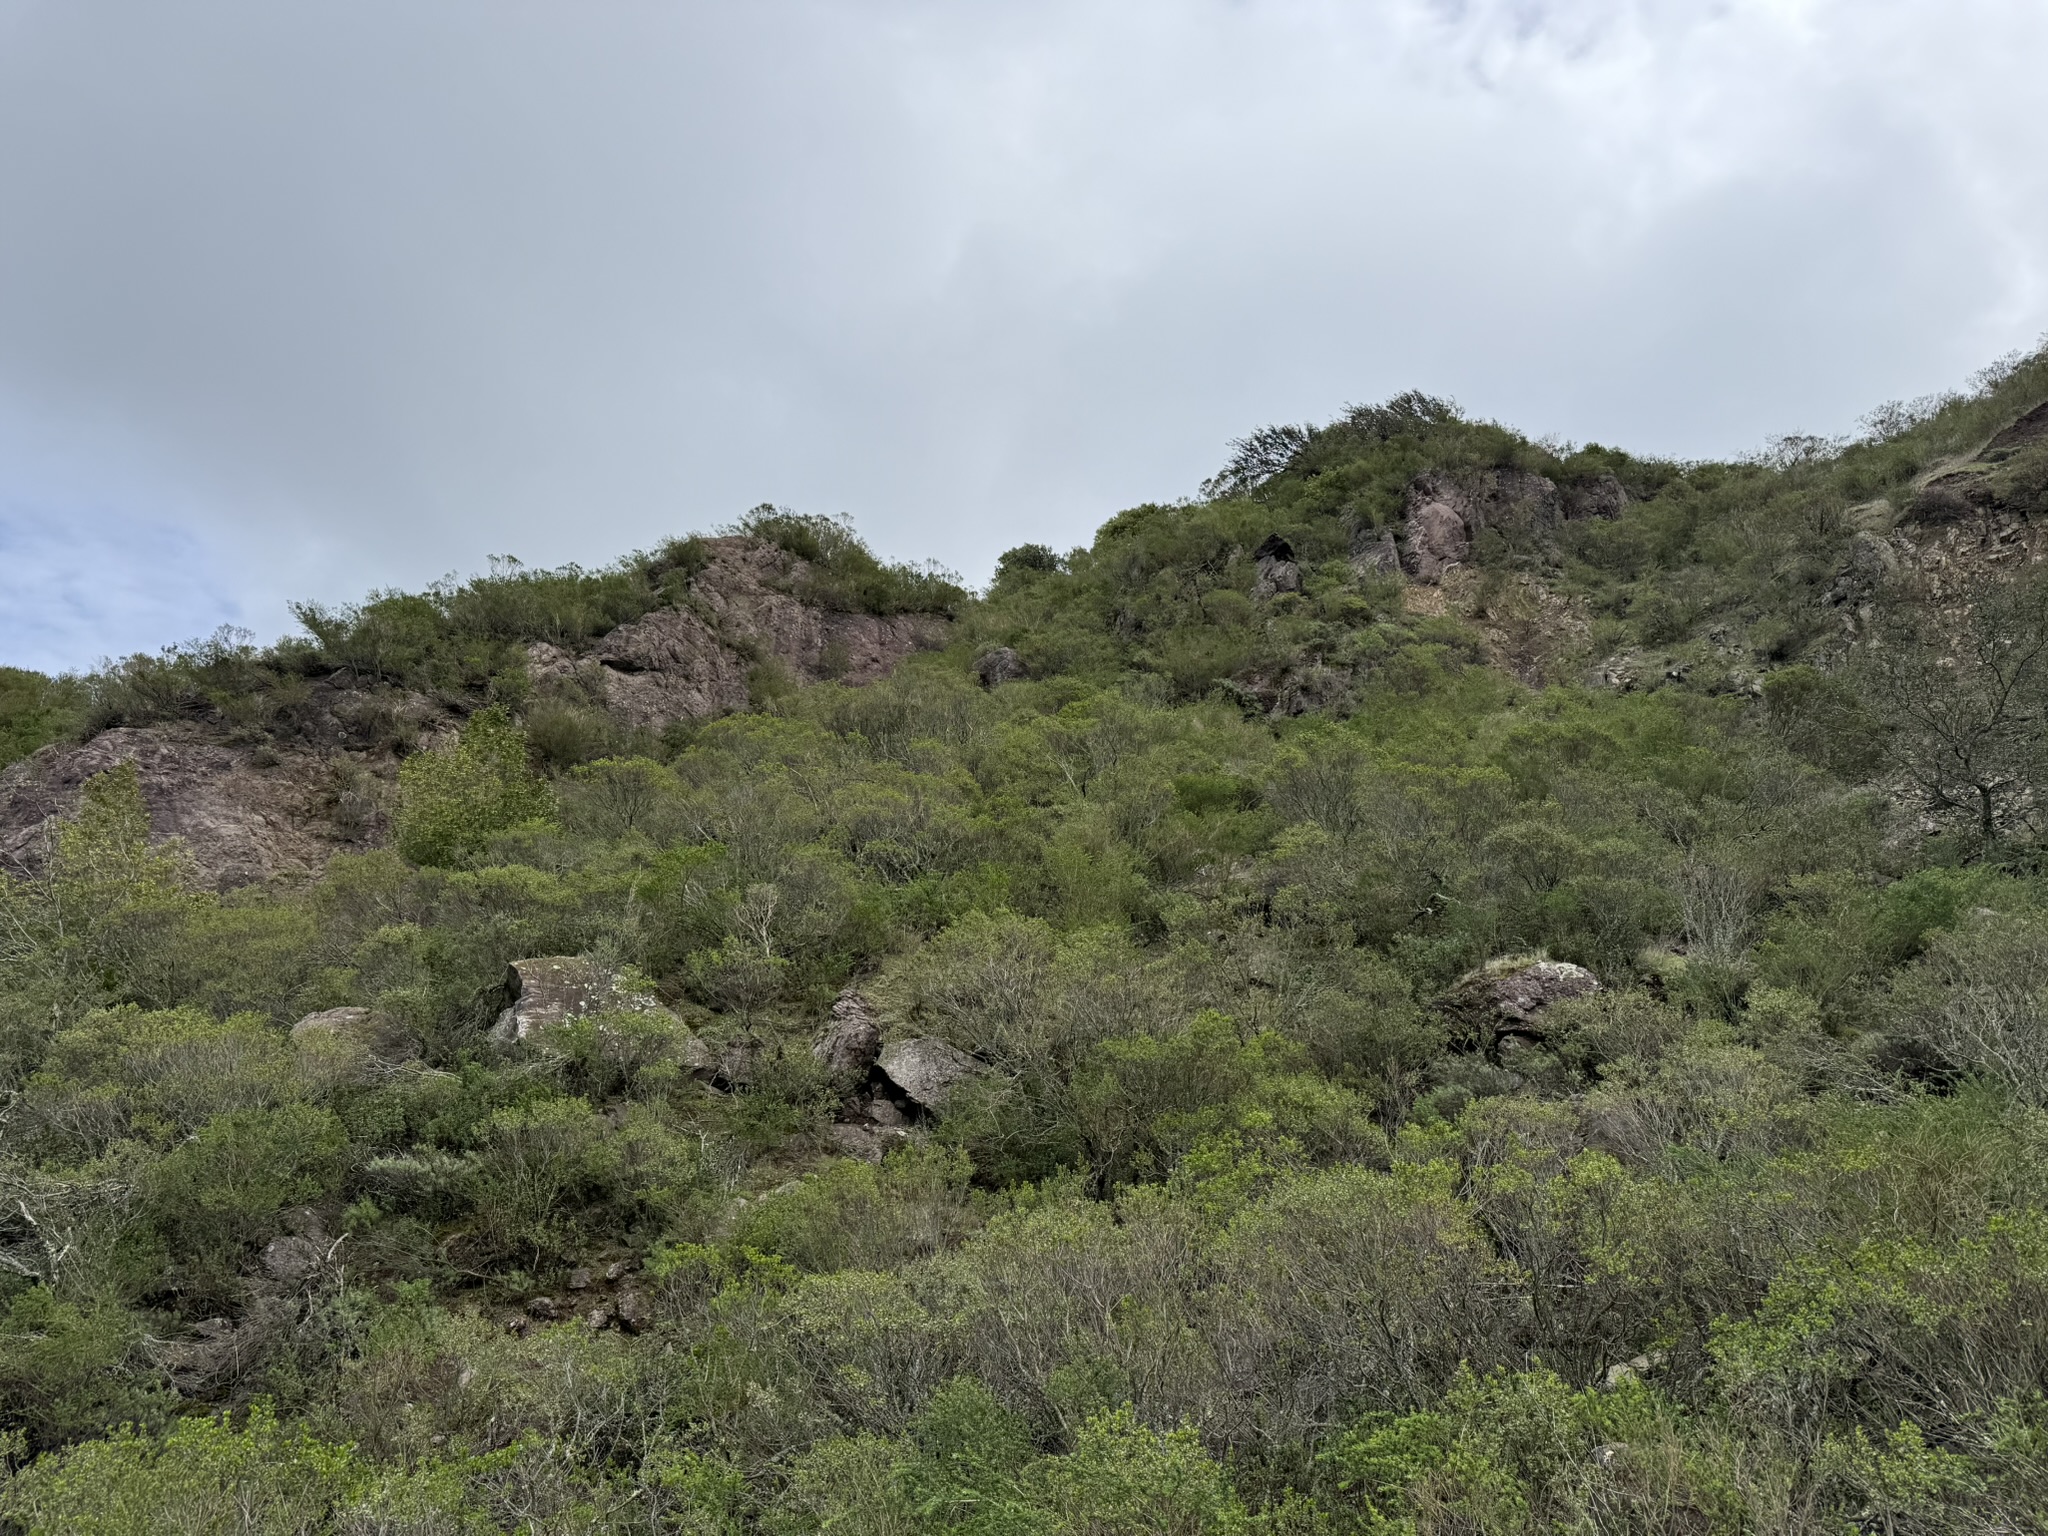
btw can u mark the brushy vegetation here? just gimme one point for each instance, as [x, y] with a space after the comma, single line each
[1238, 1231]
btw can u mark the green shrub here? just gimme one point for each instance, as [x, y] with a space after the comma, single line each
[451, 801]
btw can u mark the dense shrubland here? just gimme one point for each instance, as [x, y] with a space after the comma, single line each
[1239, 1230]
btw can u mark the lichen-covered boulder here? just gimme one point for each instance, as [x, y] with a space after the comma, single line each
[556, 988]
[928, 1070]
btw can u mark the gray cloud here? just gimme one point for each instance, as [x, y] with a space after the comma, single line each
[295, 300]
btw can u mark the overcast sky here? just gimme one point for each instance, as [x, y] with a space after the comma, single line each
[301, 299]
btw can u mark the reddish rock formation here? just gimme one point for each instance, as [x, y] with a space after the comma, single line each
[244, 821]
[694, 662]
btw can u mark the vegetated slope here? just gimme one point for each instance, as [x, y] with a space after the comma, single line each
[1446, 985]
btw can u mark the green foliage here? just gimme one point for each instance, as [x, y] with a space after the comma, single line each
[841, 573]
[1257, 1211]
[451, 801]
[36, 710]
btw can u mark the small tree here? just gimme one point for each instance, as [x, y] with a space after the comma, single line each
[1963, 696]
[450, 802]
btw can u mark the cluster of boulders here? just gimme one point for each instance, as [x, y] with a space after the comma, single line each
[885, 1088]
[598, 1298]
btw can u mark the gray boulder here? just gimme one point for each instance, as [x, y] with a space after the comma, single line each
[1509, 997]
[290, 1260]
[1437, 539]
[928, 1070]
[728, 1064]
[348, 1046]
[852, 1040]
[999, 666]
[555, 988]
[1375, 555]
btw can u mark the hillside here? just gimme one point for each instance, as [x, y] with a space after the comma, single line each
[1447, 984]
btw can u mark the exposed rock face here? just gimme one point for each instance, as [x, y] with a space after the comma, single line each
[1277, 571]
[2006, 481]
[693, 662]
[1436, 537]
[1446, 512]
[1508, 998]
[927, 1070]
[556, 988]
[1602, 496]
[852, 1040]
[999, 666]
[1375, 554]
[244, 822]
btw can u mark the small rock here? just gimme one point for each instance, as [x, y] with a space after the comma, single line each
[634, 1313]
[579, 1279]
[291, 1259]
[865, 1142]
[884, 1112]
[1630, 1370]
[927, 1070]
[852, 1040]
[1608, 1457]
[615, 1272]
[544, 1308]
[999, 666]
[598, 1318]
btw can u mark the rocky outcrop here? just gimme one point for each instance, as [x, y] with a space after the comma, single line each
[245, 814]
[555, 988]
[1446, 512]
[852, 1041]
[742, 611]
[1601, 496]
[1278, 572]
[1435, 532]
[999, 666]
[1374, 553]
[1508, 998]
[928, 1070]
[2005, 481]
